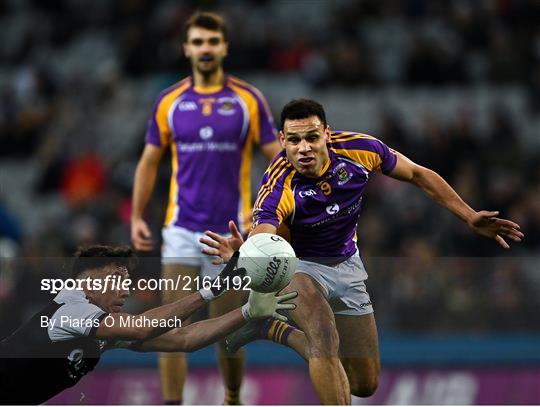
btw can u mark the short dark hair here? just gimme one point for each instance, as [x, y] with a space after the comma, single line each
[302, 108]
[98, 256]
[208, 20]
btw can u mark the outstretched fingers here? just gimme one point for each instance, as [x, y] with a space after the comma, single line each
[209, 242]
[234, 230]
[213, 235]
[285, 306]
[511, 233]
[288, 296]
[502, 242]
[507, 223]
[282, 318]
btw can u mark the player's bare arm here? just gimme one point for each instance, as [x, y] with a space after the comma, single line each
[485, 223]
[145, 179]
[224, 247]
[270, 150]
[111, 327]
[204, 333]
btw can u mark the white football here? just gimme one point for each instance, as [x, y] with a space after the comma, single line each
[269, 261]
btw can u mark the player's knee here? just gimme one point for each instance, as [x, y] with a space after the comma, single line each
[323, 340]
[364, 386]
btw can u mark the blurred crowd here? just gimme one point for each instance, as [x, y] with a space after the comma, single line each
[78, 78]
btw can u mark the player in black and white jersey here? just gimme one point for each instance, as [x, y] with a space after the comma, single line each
[64, 341]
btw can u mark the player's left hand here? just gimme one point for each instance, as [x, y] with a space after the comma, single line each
[487, 224]
[265, 305]
[224, 280]
[220, 246]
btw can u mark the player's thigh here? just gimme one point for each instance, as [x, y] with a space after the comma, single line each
[183, 273]
[314, 316]
[359, 352]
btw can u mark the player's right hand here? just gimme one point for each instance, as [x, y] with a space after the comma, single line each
[487, 224]
[141, 237]
[221, 246]
[265, 305]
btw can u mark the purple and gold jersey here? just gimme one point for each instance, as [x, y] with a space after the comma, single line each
[211, 137]
[322, 213]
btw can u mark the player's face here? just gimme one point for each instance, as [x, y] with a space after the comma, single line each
[111, 297]
[205, 49]
[305, 140]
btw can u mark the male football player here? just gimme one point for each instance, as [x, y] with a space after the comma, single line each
[210, 122]
[64, 341]
[315, 187]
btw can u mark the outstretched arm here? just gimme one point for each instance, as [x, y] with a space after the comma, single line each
[484, 223]
[195, 336]
[114, 327]
[204, 333]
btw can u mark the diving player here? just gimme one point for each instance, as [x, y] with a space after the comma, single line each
[64, 341]
[210, 122]
[315, 187]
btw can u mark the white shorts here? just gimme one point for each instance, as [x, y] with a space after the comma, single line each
[344, 285]
[182, 246]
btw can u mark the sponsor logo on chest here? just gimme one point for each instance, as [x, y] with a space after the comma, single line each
[206, 132]
[187, 106]
[307, 192]
[332, 209]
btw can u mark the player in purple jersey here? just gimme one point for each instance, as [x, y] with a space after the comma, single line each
[315, 187]
[210, 121]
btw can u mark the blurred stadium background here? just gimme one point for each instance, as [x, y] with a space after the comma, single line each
[455, 85]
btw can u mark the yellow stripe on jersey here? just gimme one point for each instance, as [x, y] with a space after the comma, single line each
[245, 187]
[274, 165]
[272, 172]
[173, 187]
[342, 134]
[162, 112]
[369, 159]
[286, 202]
[269, 186]
[347, 136]
[251, 102]
[262, 99]
[325, 167]
[252, 136]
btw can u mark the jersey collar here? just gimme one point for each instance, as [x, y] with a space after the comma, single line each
[210, 89]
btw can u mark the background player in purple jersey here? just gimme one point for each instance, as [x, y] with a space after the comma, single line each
[210, 122]
[315, 187]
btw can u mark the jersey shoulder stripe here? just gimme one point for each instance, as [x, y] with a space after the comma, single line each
[244, 85]
[366, 150]
[340, 136]
[173, 87]
[278, 170]
[253, 90]
[165, 101]
[355, 141]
